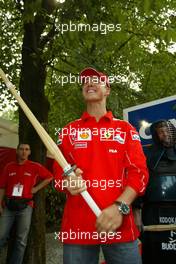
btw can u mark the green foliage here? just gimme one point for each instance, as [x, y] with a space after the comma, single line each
[10, 115]
[124, 53]
[54, 208]
[10, 51]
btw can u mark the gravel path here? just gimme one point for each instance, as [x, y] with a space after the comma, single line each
[54, 250]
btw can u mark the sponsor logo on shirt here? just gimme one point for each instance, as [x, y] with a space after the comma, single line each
[112, 150]
[27, 173]
[80, 135]
[72, 138]
[120, 137]
[134, 135]
[107, 135]
[84, 135]
[80, 145]
[12, 173]
[60, 138]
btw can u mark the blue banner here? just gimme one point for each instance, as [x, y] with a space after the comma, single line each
[142, 116]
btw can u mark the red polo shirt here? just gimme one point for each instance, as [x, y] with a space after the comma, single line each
[111, 157]
[26, 174]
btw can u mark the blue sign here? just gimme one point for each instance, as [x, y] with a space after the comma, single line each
[142, 116]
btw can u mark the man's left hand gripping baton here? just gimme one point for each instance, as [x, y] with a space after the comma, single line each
[48, 142]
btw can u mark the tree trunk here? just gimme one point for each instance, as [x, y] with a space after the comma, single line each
[32, 82]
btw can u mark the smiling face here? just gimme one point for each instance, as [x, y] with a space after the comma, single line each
[94, 90]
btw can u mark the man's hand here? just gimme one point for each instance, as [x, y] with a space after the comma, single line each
[75, 184]
[109, 220]
[34, 190]
[41, 185]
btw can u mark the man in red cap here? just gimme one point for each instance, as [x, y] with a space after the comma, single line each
[97, 77]
[111, 166]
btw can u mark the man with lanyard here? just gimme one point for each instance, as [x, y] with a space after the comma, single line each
[19, 181]
[111, 166]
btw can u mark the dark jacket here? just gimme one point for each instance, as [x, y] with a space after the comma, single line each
[157, 152]
[161, 163]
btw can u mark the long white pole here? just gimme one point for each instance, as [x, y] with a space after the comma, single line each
[48, 141]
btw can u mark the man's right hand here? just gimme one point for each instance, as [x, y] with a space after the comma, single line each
[75, 184]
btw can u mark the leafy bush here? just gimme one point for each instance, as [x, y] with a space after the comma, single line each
[54, 207]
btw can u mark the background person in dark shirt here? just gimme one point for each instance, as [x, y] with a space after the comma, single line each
[159, 205]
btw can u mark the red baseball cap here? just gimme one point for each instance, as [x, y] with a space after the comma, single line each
[88, 72]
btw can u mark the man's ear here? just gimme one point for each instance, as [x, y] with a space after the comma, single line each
[107, 90]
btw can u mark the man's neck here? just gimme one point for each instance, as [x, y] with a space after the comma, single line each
[21, 161]
[96, 109]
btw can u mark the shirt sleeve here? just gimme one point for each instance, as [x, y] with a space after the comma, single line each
[135, 162]
[43, 173]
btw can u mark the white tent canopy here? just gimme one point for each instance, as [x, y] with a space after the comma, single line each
[8, 133]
